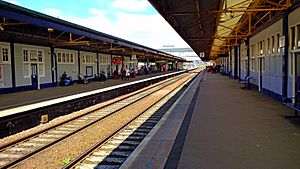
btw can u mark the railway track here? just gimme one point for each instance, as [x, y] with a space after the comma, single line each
[27, 147]
[113, 152]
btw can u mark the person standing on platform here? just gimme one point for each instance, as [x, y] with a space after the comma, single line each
[127, 73]
[122, 73]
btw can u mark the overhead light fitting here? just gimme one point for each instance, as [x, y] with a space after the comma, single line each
[50, 29]
[1, 28]
[222, 19]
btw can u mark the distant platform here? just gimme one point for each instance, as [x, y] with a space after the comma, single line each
[12, 100]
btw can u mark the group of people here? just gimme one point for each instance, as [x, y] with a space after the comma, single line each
[100, 77]
[124, 73]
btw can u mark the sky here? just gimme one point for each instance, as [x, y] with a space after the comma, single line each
[133, 20]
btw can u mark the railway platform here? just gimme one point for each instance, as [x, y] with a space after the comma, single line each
[13, 100]
[216, 124]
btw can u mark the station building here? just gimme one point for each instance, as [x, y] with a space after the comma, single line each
[257, 39]
[192, 59]
[36, 49]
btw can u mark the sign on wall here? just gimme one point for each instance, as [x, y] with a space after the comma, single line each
[282, 41]
[202, 54]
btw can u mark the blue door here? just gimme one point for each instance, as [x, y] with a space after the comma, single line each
[34, 76]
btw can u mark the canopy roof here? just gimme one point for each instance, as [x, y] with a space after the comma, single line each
[214, 26]
[27, 26]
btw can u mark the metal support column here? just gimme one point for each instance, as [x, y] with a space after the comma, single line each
[98, 73]
[52, 63]
[285, 31]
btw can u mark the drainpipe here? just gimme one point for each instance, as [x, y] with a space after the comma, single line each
[52, 63]
[12, 61]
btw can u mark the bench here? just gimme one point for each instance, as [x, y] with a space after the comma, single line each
[246, 82]
[289, 103]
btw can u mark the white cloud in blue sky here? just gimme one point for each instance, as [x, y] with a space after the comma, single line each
[131, 5]
[133, 20]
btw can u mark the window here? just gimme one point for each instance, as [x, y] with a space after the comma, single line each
[33, 56]
[252, 51]
[260, 48]
[59, 58]
[273, 44]
[263, 64]
[292, 64]
[298, 36]
[71, 58]
[293, 37]
[25, 56]
[252, 64]
[40, 56]
[5, 54]
[268, 46]
[278, 39]
[26, 70]
[104, 59]
[88, 59]
[65, 57]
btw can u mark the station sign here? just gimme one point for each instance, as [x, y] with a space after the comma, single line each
[117, 61]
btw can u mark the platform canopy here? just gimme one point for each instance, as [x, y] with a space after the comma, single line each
[215, 26]
[22, 25]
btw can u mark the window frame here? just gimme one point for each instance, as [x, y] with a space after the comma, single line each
[7, 47]
[65, 57]
[36, 61]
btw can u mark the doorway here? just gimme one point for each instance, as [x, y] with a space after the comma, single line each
[34, 76]
[297, 78]
[260, 72]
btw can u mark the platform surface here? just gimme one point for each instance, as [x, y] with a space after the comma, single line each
[218, 125]
[13, 100]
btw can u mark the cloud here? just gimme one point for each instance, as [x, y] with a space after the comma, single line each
[53, 12]
[95, 11]
[131, 5]
[149, 30]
